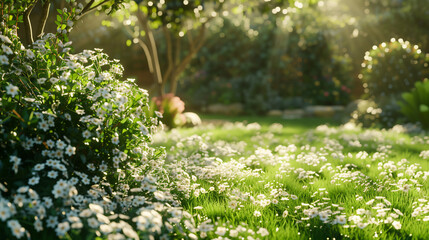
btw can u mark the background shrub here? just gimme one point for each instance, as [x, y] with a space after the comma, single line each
[234, 59]
[392, 68]
[415, 104]
[273, 62]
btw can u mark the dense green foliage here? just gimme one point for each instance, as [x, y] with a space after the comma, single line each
[231, 61]
[415, 104]
[274, 63]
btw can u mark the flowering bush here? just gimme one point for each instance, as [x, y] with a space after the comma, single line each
[74, 147]
[392, 68]
[171, 107]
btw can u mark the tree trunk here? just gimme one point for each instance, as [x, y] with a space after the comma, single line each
[153, 51]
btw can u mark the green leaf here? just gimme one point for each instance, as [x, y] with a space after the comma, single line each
[424, 108]
[144, 9]
[59, 18]
[129, 42]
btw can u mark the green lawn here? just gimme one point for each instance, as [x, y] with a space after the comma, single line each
[271, 178]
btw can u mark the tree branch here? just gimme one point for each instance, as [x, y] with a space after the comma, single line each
[191, 41]
[169, 54]
[146, 51]
[45, 14]
[188, 58]
[184, 63]
[177, 52]
[87, 9]
[87, 6]
[27, 22]
[152, 47]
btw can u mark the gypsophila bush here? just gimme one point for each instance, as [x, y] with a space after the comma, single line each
[74, 154]
[392, 68]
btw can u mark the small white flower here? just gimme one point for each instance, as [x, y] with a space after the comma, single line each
[44, 125]
[103, 167]
[5, 39]
[14, 159]
[220, 231]
[96, 208]
[115, 140]
[16, 228]
[143, 129]
[91, 75]
[53, 80]
[62, 228]
[257, 213]
[86, 134]
[285, 213]
[38, 225]
[341, 219]
[33, 180]
[61, 144]
[233, 204]
[5, 212]
[263, 232]
[52, 221]
[93, 223]
[360, 211]
[397, 225]
[361, 225]
[41, 80]
[70, 23]
[50, 143]
[67, 116]
[90, 86]
[6, 49]
[70, 150]
[30, 54]
[4, 60]
[12, 90]
[52, 174]
[233, 233]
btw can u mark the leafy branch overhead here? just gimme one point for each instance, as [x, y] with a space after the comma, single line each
[20, 11]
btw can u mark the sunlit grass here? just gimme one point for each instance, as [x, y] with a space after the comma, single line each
[350, 194]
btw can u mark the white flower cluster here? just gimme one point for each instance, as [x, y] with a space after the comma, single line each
[202, 167]
[74, 147]
[421, 210]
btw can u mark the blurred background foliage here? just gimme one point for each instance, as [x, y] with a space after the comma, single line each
[278, 54]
